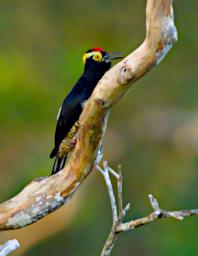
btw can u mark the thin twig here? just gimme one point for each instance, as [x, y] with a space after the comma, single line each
[157, 214]
[115, 174]
[9, 247]
[119, 185]
[120, 212]
[105, 173]
[126, 209]
[119, 226]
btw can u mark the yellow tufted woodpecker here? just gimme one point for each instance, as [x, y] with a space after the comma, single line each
[96, 62]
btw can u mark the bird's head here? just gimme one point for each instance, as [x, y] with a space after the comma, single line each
[98, 59]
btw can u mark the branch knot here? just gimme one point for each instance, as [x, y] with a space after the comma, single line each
[126, 74]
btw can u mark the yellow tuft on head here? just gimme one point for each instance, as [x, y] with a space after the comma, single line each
[84, 58]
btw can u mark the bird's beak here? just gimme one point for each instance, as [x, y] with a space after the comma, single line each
[115, 56]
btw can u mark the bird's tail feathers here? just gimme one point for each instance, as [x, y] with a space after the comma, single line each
[53, 153]
[58, 164]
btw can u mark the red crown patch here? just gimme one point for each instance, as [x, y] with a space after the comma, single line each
[98, 49]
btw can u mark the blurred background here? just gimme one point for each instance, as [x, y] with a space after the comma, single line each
[152, 131]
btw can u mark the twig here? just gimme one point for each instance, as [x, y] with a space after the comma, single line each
[105, 173]
[119, 226]
[119, 185]
[118, 212]
[9, 247]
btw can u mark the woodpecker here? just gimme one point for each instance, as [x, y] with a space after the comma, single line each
[96, 62]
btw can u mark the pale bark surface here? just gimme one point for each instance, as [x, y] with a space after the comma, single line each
[45, 195]
[8, 247]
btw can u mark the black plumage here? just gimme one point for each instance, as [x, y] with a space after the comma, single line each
[97, 62]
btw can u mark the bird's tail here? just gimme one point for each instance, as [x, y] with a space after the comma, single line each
[58, 164]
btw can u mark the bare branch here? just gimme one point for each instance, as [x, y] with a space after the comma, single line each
[157, 214]
[119, 186]
[9, 247]
[105, 173]
[119, 226]
[45, 195]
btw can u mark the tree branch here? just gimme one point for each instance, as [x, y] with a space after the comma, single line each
[9, 247]
[105, 173]
[119, 226]
[45, 195]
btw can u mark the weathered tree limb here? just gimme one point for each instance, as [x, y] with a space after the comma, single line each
[45, 195]
[118, 224]
[9, 247]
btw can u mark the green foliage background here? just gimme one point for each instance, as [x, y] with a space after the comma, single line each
[153, 130]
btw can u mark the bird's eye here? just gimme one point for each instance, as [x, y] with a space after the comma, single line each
[97, 56]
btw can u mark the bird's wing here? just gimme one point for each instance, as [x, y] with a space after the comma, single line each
[67, 116]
